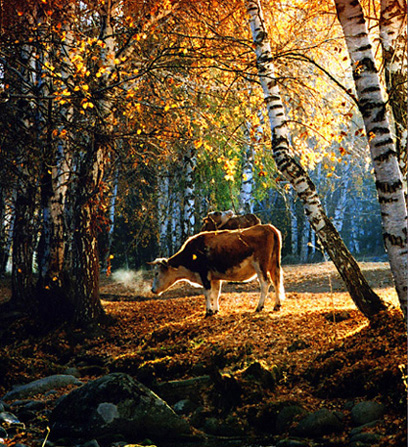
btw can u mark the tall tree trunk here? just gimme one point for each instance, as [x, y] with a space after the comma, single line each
[364, 297]
[305, 239]
[163, 211]
[175, 207]
[189, 162]
[246, 199]
[54, 177]
[7, 214]
[341, 205]
[22, 280]
[105, 240]
[393, 34]
[294, 231]
[383, 152]
[84, 283]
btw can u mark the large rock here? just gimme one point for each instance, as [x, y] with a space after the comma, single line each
[41, 386]
[319, 423]
[116, 404]
[366, 411]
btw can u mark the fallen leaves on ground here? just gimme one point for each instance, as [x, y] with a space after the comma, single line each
[326, 351]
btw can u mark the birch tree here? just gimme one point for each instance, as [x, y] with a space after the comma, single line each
[246, 199]
[364, 297]
[393, 35]
[189, 163]
[382, 147]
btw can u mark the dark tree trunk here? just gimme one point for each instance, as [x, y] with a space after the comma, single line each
[85, 269]
[22, 281]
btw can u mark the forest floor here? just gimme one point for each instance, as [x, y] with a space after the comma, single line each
[325, 352]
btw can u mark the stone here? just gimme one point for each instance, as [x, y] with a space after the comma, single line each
[184, 406]
[41, 386]
[366, 411]
[365, 438]
[361, 428]
[73, 371]
[10, 420]
[292, 443]
[319, 423]
[32, 405]
[259, 373]
[116, 404]
[286, 416]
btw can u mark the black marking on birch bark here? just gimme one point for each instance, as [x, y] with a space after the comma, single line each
[388, 187]
[385, 156]
[260, 36]
[380, 117]
[370, 89]
[272, 98]
[366, 64]
[380, 130]
[386, 142]
[363, 48]
[361, 35]
[383, 199]
[275, 106]
[367, 107]
[280, 140]
[395, 240]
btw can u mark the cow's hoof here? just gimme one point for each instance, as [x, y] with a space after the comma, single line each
[210, 313]
[259, 309]
[277, 308]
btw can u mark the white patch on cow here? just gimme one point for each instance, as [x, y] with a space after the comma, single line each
[108, 412]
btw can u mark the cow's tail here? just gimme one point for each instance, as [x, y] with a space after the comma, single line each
[276, 265]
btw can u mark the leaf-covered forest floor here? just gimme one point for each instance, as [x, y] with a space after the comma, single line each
[323, 350]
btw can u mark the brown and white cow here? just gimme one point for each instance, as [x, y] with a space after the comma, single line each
[227, 220]
[209, 258]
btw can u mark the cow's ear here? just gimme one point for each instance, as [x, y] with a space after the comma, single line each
[159, 261]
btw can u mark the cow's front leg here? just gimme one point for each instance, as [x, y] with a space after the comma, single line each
[212, 298]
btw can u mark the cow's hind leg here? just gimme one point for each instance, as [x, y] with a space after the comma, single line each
[277, 279]
[212, 298]
[264, 283]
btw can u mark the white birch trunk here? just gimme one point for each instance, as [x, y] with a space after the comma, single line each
[162, 212]
[293, 224]
[175, 219]
[341, 205]
[189, 193]
[246, 200]
[304, 248]
[383, 152]
[362, 294]
[393, 34]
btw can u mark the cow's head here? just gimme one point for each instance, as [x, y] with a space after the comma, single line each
[164, 275]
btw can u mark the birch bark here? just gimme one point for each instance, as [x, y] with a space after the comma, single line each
[189, 162]
[364, 297]
[393, 34]
[246, 200]
[162, 208]
[53, 185]
[382, 148]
